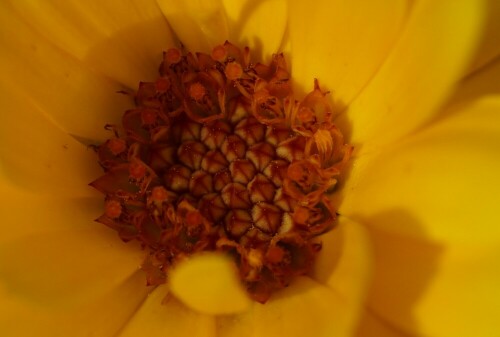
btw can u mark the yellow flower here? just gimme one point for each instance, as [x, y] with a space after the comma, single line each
[417, 248]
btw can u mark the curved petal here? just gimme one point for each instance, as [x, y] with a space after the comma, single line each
[305, 308]
[208, 283]
[121, 39]
[26, 214]
[50, 246]
[432, 290]
[199, 24]
[162, 315]
[489, 47]
[36, 155]
[48, 266]
[342, 43]
[421, 71]
[309, 308]
[482, 82]
[345, 261]
[78, 100]
[98, 317]
[374, 326]
[441, 184]
[259, 25]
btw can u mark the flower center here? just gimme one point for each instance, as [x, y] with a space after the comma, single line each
[219, 156]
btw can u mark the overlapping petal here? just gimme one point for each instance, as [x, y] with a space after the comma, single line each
[260, 25]
[209, 283]
[428, 289]
[103, 316]
[37, 155]
[45, 261]
[440, 185]
[418, 75]
[163, 315]
[482, 82]
[311, 308]
[121, 39]
[343, 43]
[489, 43]
[79, 100]
[199, 24]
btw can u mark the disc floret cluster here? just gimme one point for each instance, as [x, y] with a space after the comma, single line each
[218, 155]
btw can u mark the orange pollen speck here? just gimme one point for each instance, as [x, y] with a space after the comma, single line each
[173, 56]
[112, 209]
[137, 170]
[162, 84]
[116, 145]
[219, 53]
[219, 155]
[159, 194]
[233, 71]
[197, 91]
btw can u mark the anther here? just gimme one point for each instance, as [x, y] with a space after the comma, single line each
[219, 53]
[162, 84]
[159, 194]
[173, 56]
[233, 71]
[116, 146]
[197, 91]
[112, 209]
[137, 170]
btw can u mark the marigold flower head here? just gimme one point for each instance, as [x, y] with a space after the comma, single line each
[224, 158]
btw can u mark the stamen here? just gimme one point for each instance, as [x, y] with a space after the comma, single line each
[218, 155]
[219, 53]
[233, 71]
[197, 91]
[173, 56]
[116, 145]
[112, 209]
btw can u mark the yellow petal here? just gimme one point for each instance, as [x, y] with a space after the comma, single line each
[489, 47]
[65, 267]
[26, 214]
[78, 100]
[345, 261]
[374, 326]
[342, 43]
[482, 82]
[36, 155]
[305, 308]
[427, 61]
[259, 25]
[209, 284]
[199, 24]
[122, 39]
[432, 290]
[441, 184]
[308, 308]
[162, 315]
[101, 317]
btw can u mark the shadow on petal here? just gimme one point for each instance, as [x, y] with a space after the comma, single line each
[404, 269]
